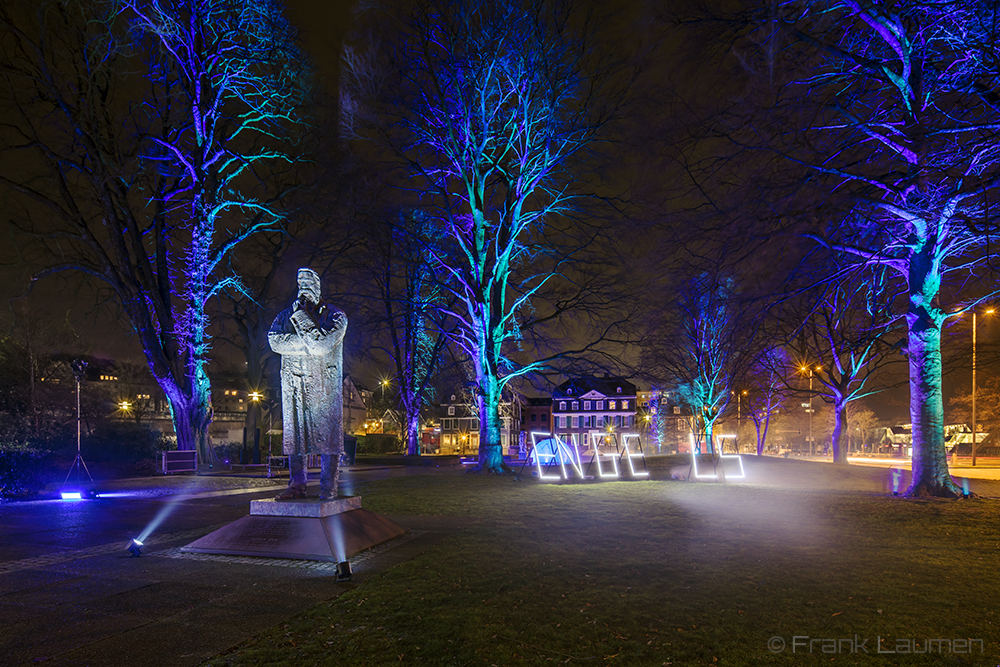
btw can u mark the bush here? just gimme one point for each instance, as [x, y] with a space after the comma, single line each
[379, 443]
[22, 471]
[126, 443]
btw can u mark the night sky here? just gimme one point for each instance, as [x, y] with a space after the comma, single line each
[323, 26]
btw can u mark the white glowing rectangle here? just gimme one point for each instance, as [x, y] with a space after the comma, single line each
[738, 457]
[538, 455]
[633, 455]
[71, 495]
[596, 437]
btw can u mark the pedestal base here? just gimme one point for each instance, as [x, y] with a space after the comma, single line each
[303, 529]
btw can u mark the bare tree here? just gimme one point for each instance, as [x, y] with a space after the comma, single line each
[489, 110]
[142, 138]
[894, 106]
[705, 340]
[844, 343]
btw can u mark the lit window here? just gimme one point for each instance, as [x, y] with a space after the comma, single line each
[624, 405]
[451, 409]
[611, 405]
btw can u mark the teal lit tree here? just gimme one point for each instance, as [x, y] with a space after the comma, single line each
[487, 110]
[700, 349]
[164, 124]
[895, 105]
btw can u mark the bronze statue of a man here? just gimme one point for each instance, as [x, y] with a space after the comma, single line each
[309, 337]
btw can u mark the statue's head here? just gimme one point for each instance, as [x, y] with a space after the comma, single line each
[309, 285]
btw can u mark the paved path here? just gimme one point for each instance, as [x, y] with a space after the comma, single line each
[70, 595]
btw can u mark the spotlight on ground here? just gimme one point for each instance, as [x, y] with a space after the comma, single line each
[135, 548]
[344, 571]
[78, 494]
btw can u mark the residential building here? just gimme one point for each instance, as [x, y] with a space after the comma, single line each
[536, 415]
[458, 425]
[355, 406]
[585, 405]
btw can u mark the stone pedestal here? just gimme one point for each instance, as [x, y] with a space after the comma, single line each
[306, 529]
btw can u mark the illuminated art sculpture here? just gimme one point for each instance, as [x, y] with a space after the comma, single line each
[622, 451]
[596, 437]
[552, 449]
[630, 455]
[715, 475]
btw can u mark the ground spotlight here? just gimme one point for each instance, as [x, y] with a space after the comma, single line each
[78, 494]
[344, 571]
[135, 548]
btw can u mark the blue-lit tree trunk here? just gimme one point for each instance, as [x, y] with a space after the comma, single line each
[410, 296]
[166, 121]
[486, 107]
[900, 115]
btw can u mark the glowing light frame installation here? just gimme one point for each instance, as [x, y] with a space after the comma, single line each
[715, 475]
[596, 436]
[561, 448]
[630, 455]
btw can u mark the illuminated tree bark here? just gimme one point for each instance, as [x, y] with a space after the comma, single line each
[485, 107]
[841, 342]
[902, 119]
[409, 296]
[163, 120]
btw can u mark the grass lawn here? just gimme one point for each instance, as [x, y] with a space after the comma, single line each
[666, 573]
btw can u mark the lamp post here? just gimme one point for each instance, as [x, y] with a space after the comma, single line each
[255, 398]
[810, 409]
[988, 312]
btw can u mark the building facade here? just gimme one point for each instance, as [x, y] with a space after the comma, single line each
[584, 406]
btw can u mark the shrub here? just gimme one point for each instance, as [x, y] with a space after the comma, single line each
[22, 471]
[127, 443]
[379, 443]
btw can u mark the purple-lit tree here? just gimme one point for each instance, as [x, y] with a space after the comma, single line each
[143, 138]
[409, 297]
[842, 342]
[767, 392]
[896, 105]
[488, 109]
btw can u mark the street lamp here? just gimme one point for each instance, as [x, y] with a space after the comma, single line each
[808, 369]
[988, 312]
[124, 406]
[255, 398]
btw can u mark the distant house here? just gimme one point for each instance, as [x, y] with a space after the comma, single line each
[536, 415]
[585, 405]
[458, 425]
[355, 405]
